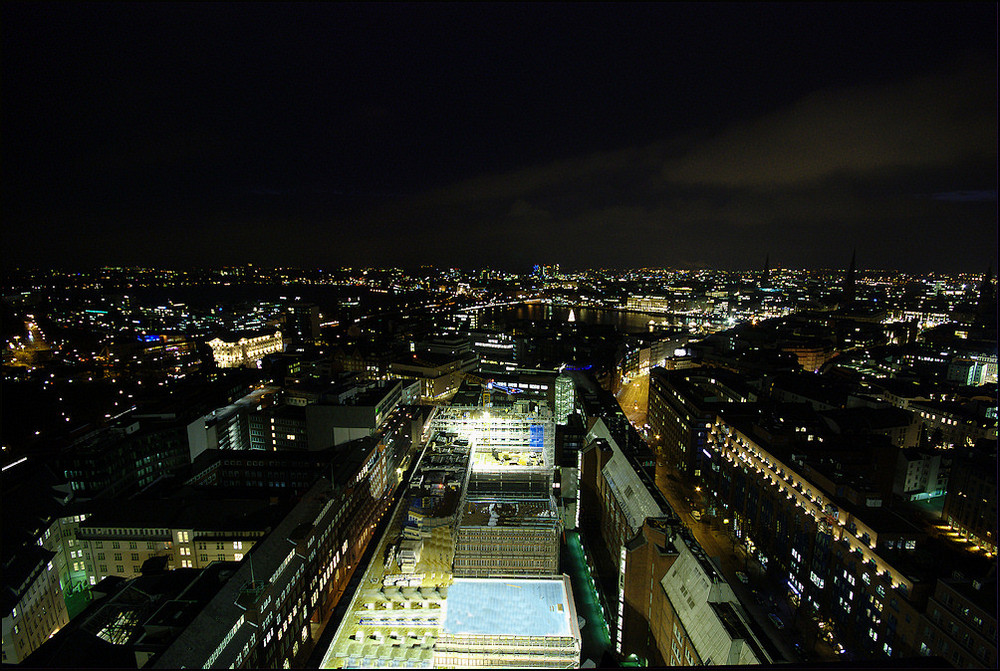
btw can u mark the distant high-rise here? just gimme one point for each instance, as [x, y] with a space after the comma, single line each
[303, 322]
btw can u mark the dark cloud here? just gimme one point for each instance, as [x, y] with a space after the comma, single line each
[835, 169]
[934, 121]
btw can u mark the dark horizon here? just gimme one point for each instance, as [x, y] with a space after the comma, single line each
[316, 136]
[521, 270]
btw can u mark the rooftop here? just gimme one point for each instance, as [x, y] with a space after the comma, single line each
[509, 513]
[200, 511]
[195, 645]
[484, 606]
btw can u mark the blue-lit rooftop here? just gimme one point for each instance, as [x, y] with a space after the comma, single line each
[499, 607]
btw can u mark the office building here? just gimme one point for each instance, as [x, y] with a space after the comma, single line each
[125, 458]
[480, 523]
[970, 506]
[477, 629]
[272, 611]
[302, 322]
[130, 622]
[188, 532]
[565, 402]
[669, 605]
[819, 525]
[960, 623]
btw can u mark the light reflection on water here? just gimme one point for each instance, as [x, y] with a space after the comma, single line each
[626, 322]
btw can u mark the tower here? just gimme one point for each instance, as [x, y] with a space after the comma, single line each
[849, 289]
[565, 397]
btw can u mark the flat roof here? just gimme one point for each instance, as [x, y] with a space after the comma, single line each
[484, 606]
[509, 513]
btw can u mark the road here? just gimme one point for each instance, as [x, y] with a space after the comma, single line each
[634, 400]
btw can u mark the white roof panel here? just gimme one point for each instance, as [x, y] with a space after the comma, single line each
[501, 607]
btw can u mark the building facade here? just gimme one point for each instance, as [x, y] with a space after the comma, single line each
[245, 352]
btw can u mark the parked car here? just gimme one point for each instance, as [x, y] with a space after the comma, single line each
[776, 621]
[742, 577]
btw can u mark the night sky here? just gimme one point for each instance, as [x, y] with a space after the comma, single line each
[323, 135]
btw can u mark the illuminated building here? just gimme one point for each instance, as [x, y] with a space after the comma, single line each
[440, 375]
[280, 427]
[331, 415]
[921, 474]
[477, 629]
[33, 605]
[673, 607]
[507, 538]
[652, 304]
[274, 608]
[823, 531]
[129, 622]
[117, 539]
[480, 505]
[811, 356]
[497, 352]
[682, 407]
[508, 524]
[528, 432]
[565, 397]
[227, 428]
[246, 352]
[970, 506]
[36, 573]
[951, 424]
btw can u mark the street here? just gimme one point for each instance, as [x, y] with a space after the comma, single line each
[711, 535]
[634, 398]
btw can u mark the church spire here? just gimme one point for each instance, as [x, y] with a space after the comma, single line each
[849, 289]
[986, 309]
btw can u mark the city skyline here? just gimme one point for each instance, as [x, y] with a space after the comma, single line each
[585, 135]
[350, 468]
